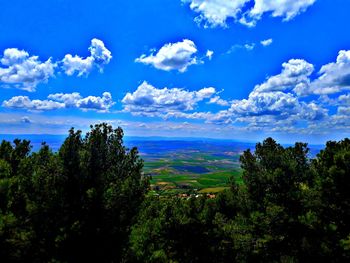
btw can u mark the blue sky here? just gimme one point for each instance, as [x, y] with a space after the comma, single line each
[243, 69]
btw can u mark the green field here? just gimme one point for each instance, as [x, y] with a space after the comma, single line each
[191, 173]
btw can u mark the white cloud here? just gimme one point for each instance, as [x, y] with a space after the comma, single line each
[204, 93]
[217, 12]
[82, 66]
[294, 76]
[75, 100]
[61, 101]
[23, 102]
[287, 102]
[209, 54]
[287, 9]
[272, 111]
[247, 46]
[13, 56]
[23, 71]
[335, 76]
[219, 101]
[151, 101]
[278, 100]
[20, 70]
[99, 56]
[69, 99]
[267, 103]
[99, 52]
[173, 56]
[266, 42]
[96, 103]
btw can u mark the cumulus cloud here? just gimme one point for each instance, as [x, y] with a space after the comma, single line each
[266, 42]
[267, 103]
[313, 112]
[334, 77]
[213, 13]
[23, 102]
[75, 100]
[69, 99]
[278, 99]
[291, 101]
[61, 101]
[99, 56]
[96, 103]
[99, 52]
[294, 76]
[219, 101]
[82, 66]
[20, 70]
[172, 56]
[294, 101]
[216, 12]
[269, 110]
[287, 9]
[23, 71]
[151, 101]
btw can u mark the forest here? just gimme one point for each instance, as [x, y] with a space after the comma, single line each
[88, 202]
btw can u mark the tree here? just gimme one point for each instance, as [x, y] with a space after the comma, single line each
[87, 202]
[74, 205]
[332, 167]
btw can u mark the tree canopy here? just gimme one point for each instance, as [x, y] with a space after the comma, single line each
[88, 202]
[74, 205]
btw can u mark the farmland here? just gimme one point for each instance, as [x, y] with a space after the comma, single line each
[190, 166]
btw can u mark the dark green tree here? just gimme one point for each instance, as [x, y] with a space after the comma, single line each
[332, 215]
[76, 205]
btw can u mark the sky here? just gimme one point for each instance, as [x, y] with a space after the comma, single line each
[239, 69]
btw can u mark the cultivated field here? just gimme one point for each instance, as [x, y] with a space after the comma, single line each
[190, 167]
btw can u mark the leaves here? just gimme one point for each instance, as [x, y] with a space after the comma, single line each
[74, 205]
[87, 203]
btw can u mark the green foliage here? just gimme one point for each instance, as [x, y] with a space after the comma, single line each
[288, 209]
[173, 230]
[87, 203]
[76, 205]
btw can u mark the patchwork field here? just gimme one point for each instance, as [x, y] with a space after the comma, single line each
[190, 166]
